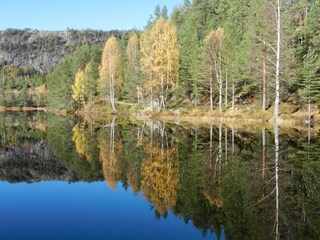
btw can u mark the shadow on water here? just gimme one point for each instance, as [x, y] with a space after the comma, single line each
[230, 184]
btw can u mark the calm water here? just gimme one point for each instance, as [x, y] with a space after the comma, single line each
[68, 179]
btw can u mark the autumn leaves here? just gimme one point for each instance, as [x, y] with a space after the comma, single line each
[152, 68]
[160, 61]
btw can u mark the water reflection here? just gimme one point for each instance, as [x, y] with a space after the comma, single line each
[246, 185]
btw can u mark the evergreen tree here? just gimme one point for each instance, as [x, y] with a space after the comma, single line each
[132, 73]
[310, 87]
[164, 12]
[61, 79]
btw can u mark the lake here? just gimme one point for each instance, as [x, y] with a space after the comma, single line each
[66, 178]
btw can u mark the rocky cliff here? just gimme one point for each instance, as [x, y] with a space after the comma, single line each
[43, 50]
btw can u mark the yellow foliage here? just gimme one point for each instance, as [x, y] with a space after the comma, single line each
[78, 87]
[160, 54]
[110, 76]
[42, 89]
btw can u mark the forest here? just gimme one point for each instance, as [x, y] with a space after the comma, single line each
[216, 56]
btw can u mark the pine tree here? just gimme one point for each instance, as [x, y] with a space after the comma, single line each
[132, 78]
[310, 87]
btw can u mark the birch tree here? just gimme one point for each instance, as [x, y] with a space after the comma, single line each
[160, 59]
[109, 70]
[146, 63]
[213, 61]
[277, 9]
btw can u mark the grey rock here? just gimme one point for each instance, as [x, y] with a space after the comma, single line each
[43, 50]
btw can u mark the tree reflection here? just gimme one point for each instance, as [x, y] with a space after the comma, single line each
[276, 142]
[109, 154]
[82, 138]
[245, 184]
[160, 172]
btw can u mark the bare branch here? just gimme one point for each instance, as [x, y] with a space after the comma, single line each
[264, 198]
[269, 60]
[264, 42]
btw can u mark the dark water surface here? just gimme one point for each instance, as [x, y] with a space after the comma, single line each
[68, 179]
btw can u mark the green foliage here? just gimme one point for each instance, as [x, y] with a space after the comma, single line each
[61, 79]
[247, 57]
[310, 87]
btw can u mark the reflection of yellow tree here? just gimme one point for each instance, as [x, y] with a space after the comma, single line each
[161, 177]
[109, 152]
[80, 139]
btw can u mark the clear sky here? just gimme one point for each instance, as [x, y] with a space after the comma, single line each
[79, 14]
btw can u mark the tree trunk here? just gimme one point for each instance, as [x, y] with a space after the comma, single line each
[211, 138]
[220, 80]
[161, 100]
[226, 144]
[233, 93]
[152, 96]
[112, 100]
[220, 143]
[226, 94]
[264, 79]
[277, 93]
[232, 140]
[220, 97]
[309, 111]
[211, 97]
[276, 141]
[263, 153]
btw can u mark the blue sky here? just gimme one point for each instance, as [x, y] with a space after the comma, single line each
[79, 14]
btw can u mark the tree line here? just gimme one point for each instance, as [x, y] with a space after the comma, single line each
[216, 54]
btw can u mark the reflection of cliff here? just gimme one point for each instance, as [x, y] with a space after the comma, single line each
[31, 163]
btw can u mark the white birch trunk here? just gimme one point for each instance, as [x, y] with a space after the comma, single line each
[226, 93]
[211, 97]
[309, 111]
[220, 95]
[277, 93]
[233, 93]
[112, 100]
[264, 79]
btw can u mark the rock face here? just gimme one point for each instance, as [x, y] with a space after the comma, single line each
[32, 163]
[43, 50]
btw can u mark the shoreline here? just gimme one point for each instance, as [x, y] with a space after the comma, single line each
[33, 109]
[238, 119]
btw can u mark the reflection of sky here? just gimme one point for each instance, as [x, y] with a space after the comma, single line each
[58, 210]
